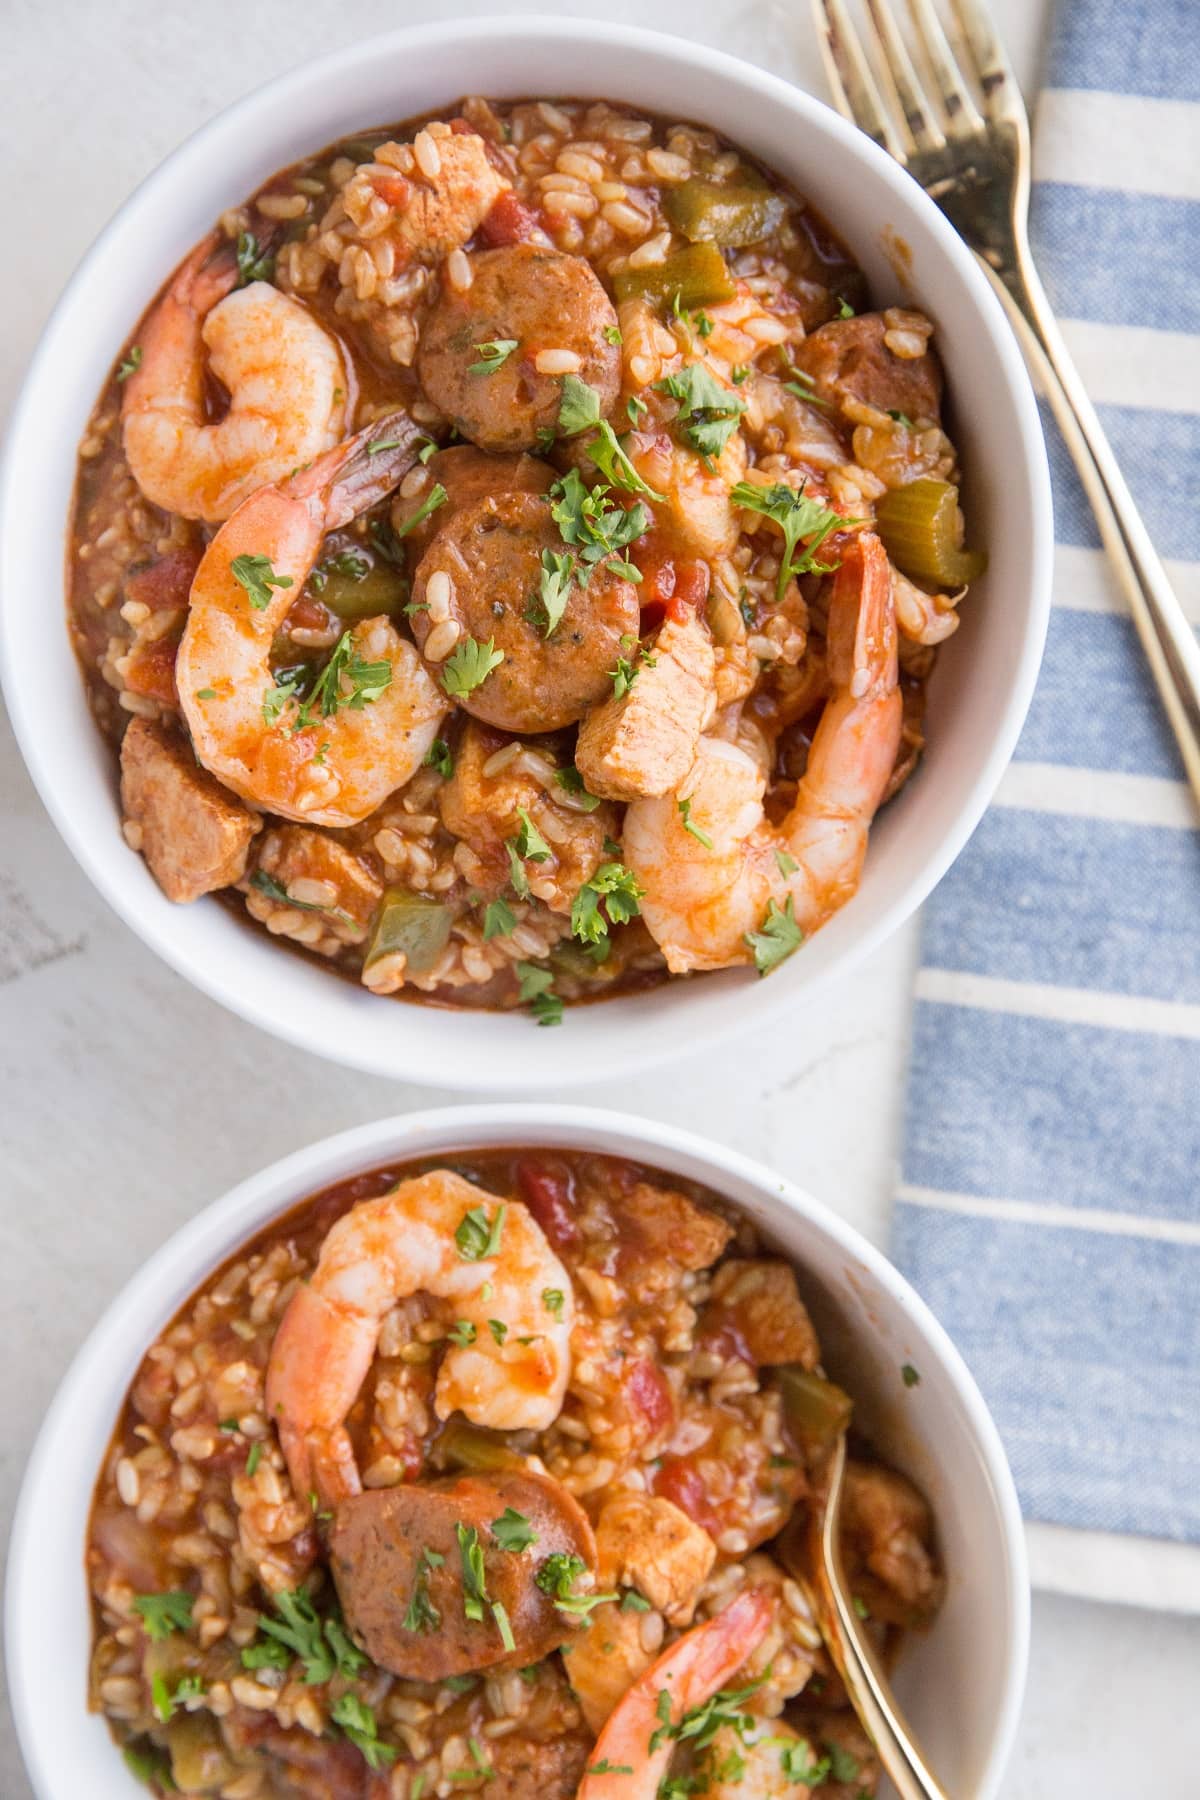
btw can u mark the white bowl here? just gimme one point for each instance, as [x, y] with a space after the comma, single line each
[979, 696]
[961, 1682]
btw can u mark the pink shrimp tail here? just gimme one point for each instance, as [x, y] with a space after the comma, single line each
[861, 640]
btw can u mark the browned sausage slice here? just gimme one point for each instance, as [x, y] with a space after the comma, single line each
[491, 556]
[848, 358]
[406, 1609]
[539, 299]
[468, 475]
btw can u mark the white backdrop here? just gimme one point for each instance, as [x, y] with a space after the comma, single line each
[127, 1101]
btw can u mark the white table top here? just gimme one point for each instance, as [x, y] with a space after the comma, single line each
[125, 1094]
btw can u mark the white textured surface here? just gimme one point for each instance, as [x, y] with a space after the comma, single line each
[127, 1100]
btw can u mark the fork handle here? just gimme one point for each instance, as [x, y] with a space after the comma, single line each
[1167, 638]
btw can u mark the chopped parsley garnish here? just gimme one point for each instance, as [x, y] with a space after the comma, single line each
[635, 408]
[422, 1614]
[355, 1718]
[254, 1458]
[476, 1237]
[378, 445]
[804, 388]
[469, 665]
[909, 1375]
[799, 518]
[499, 920]
[580, 411]
[571, 782]
[206, 693]
[861, 1609]
[165, 1699]
[593, 529]
[462, 1333]
[554, 586]
[321, 1644]
[131, 363]
[843, 1766]
[845, 310]
[901, 419]
[438, 757]
[275, 699]
[428, 448]
[787, 865]
[531, 845]
[557, 1577]
[256, 575]
[700, 1726]
[474, 1582]
[500, 1614]
[612, 334]
[632, 1601]
[738, 373]
[798, 1762]
[253, 263]
[436, 497]
[553, 1299]
[708, 412]
[623, 677]
[604, 1767]
[536, 991]
[162, 1614]
[275, 890]
[498, 1329]
[492, 355]
[685, 815]
[512, 1531]
[620, 891]
[346, 680]
[779, 938]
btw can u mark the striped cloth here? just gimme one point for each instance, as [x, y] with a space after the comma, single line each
[1049, 1206]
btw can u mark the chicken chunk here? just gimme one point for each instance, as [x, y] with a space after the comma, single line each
[761, 1305]
[887, 1542]
[649, 1544]
[694, 511]
[432, 213]
[645, 742]
[605, 1661]
[663, 1225]
[291, 854]
[193, 833]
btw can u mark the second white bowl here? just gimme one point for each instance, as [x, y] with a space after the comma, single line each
[961, 1681]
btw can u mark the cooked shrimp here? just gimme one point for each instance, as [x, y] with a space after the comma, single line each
[434, 1234]
[283, 373]
[710, 863]
[697, 1666]
[325, 763]
[765, 1758]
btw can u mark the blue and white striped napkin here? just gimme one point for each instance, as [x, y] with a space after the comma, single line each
[1049, 1207]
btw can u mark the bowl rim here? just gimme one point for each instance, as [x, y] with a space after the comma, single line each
[120, 1336]
[471, 1065]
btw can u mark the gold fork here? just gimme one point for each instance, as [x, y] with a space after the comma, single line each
[813, 1555]
[975, 164]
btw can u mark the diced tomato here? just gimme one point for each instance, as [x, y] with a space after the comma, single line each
[164, 585]
[719, 1335]
[691, 589]
[462, 127]
[549, 1194]
[510, 221]
[306, 614]
[393, 190]
[648, 1393]
[151, 670]
[678, 1481]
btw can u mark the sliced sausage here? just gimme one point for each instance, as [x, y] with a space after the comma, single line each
[192, 832]
[468, 475]
[384, 1579]
[541, 300]
[849, 358]
[645, 742]
[491, 556]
